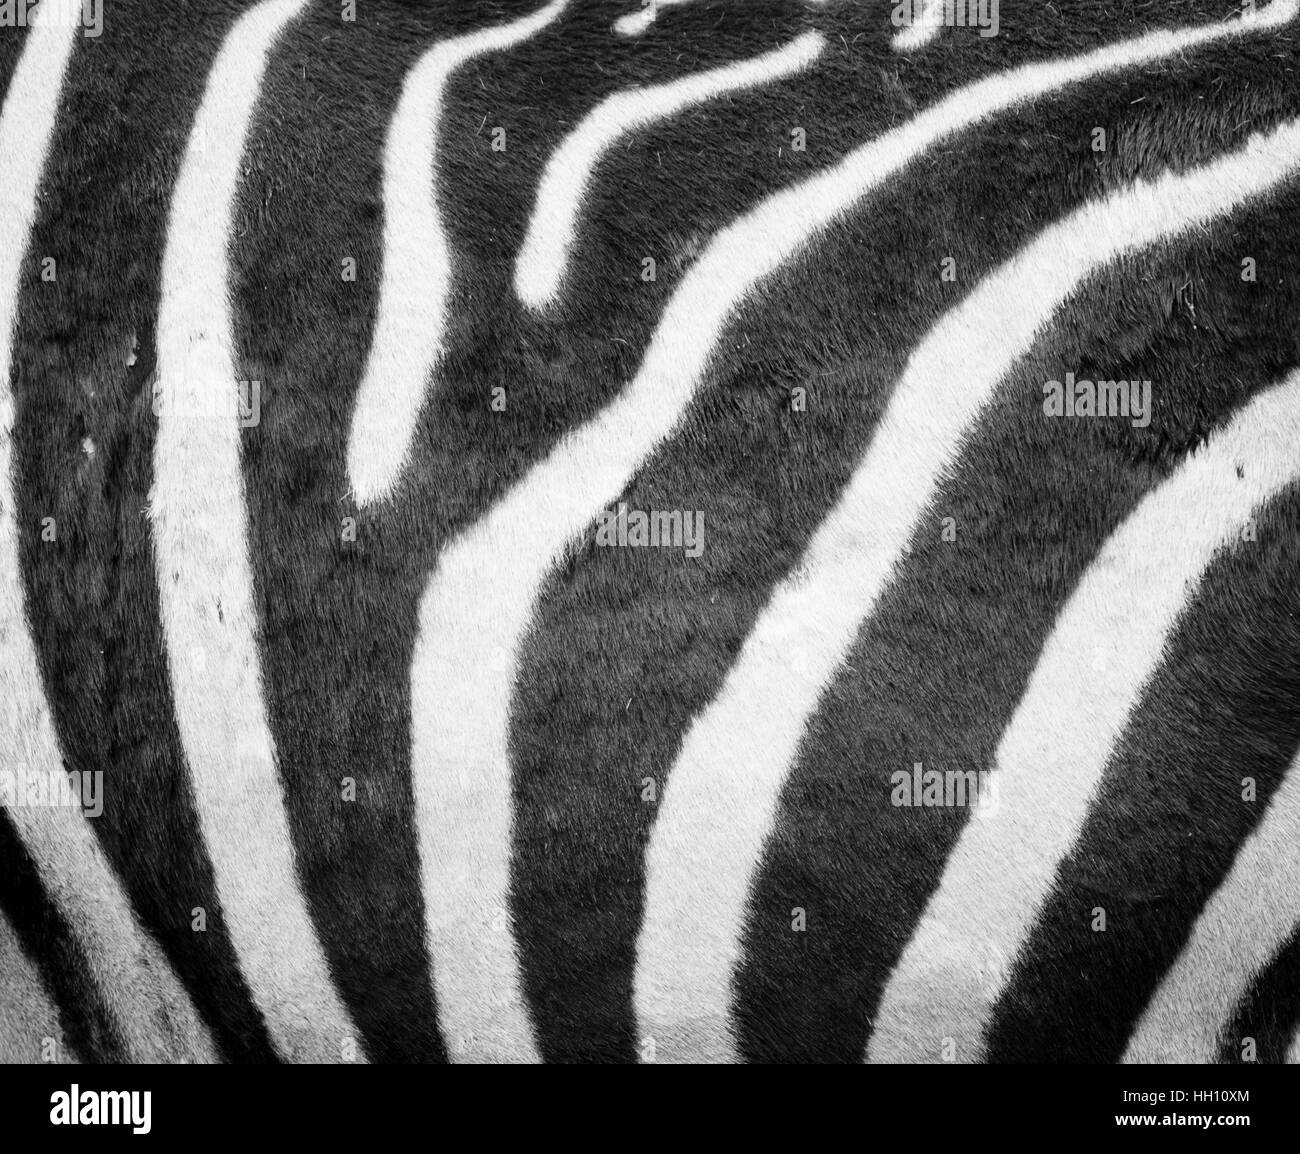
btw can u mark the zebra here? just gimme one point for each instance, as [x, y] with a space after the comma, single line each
[331, 332]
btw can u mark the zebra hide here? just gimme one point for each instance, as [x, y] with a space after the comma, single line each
[712, 530]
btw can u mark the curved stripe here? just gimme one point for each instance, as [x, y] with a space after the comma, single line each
[200, 532]
[480, 600]
[925, 28]
[1102, 651]
[152, 1011]
[28, 1016]
[416, 284]
[722, 794]
[1246, 922]
[546, 248]
[1293, 1054]
[635, 23]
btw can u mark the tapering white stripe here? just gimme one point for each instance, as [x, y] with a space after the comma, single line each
[634, 23]
[1249, 918]
[925, 29]
[153, 1012]
[416, 287]
[205, 579]
[29, 1020]
[1293, 1053]
[1104, 648]
[721, 797]
[480, 600]
[546, 248]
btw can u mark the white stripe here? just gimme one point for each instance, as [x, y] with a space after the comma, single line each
[635, 23]
[153, 1012]
[925, 29]
[1293, 1053]
[1250, 917]
[546, 247]
[205, 578]
[479, 602]
[416, 286]
[29, 1020]
[1102, 651]
[739, 752]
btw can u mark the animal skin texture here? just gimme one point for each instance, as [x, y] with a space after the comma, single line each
[713, 530]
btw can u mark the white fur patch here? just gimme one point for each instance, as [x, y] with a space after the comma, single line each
[545, 251]
[417, 262]
[205, 581]
[152, 1011]
[634, 23]
[1103, 650]
[923, 31]
[1250, 917]
[722, 794]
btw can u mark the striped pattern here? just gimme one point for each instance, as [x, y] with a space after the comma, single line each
[1102, 652]
[204, 578]
[399, 766]
[737, 754]
[417, 272]
[149, 1008]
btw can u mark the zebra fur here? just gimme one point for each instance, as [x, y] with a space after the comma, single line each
[401, 765]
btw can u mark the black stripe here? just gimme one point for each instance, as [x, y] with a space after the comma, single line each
[1270, 1012]
[12, 42]
[91, 594]
[338, 618]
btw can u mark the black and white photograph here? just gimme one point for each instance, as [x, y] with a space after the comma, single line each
[649, 532]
